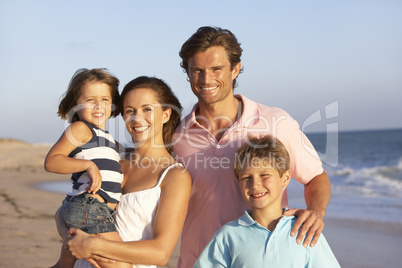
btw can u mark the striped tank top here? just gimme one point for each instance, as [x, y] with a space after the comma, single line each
[103, 151]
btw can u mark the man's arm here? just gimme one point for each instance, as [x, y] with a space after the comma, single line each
[311, 220]
[317, 193]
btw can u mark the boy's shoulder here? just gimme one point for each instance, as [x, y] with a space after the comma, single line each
[232, 226]
[246, 222]
[234, 234]
[229, 226]
[287, 221]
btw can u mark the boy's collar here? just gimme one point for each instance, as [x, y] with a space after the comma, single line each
[247, 220]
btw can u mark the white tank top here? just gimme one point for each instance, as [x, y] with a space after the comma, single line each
[136, 213]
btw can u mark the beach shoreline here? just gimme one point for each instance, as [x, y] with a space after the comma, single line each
[29, 237]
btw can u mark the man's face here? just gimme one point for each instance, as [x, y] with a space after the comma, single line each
[211, 76]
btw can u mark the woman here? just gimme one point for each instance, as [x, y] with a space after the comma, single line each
[156, 189]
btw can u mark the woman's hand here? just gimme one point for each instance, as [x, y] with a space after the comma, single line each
[95, 259]
[79, 244]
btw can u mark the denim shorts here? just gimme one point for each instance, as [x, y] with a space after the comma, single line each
[88, 214]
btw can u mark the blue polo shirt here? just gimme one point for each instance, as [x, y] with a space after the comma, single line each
[245, 243]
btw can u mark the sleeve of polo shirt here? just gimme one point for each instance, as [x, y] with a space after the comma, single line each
[321, 255]
[305, 163]
[213, 255]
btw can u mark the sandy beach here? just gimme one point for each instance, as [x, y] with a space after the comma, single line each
[29, 237]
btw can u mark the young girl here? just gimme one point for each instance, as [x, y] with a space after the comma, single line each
[156, 188]
[90, 153]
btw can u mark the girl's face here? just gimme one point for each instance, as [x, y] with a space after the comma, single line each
[95, 103]
[144, 116]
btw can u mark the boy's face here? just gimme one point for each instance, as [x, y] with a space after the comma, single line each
[261, 185]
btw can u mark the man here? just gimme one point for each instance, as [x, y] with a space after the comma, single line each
[218, 125]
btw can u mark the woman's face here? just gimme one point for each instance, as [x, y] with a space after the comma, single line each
[144, 116]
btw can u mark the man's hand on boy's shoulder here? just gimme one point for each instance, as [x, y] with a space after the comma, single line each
[308, 222]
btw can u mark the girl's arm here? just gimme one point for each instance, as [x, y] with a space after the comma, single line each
[58, 161]
[169, 220]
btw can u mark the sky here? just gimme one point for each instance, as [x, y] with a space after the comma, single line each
[332, 65]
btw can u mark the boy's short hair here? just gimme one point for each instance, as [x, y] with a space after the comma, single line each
[266, 148]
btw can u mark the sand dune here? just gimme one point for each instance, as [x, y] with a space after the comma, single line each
[18, 154]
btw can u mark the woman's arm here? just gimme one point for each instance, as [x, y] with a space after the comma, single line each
[58, 161]
[169, 220]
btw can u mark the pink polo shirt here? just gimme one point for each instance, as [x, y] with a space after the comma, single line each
[215, 195]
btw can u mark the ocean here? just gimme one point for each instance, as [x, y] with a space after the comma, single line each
[365, 170]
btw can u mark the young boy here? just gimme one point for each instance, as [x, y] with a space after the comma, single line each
[260, 238]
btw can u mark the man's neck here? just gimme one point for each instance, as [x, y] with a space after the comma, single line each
[218, 117]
